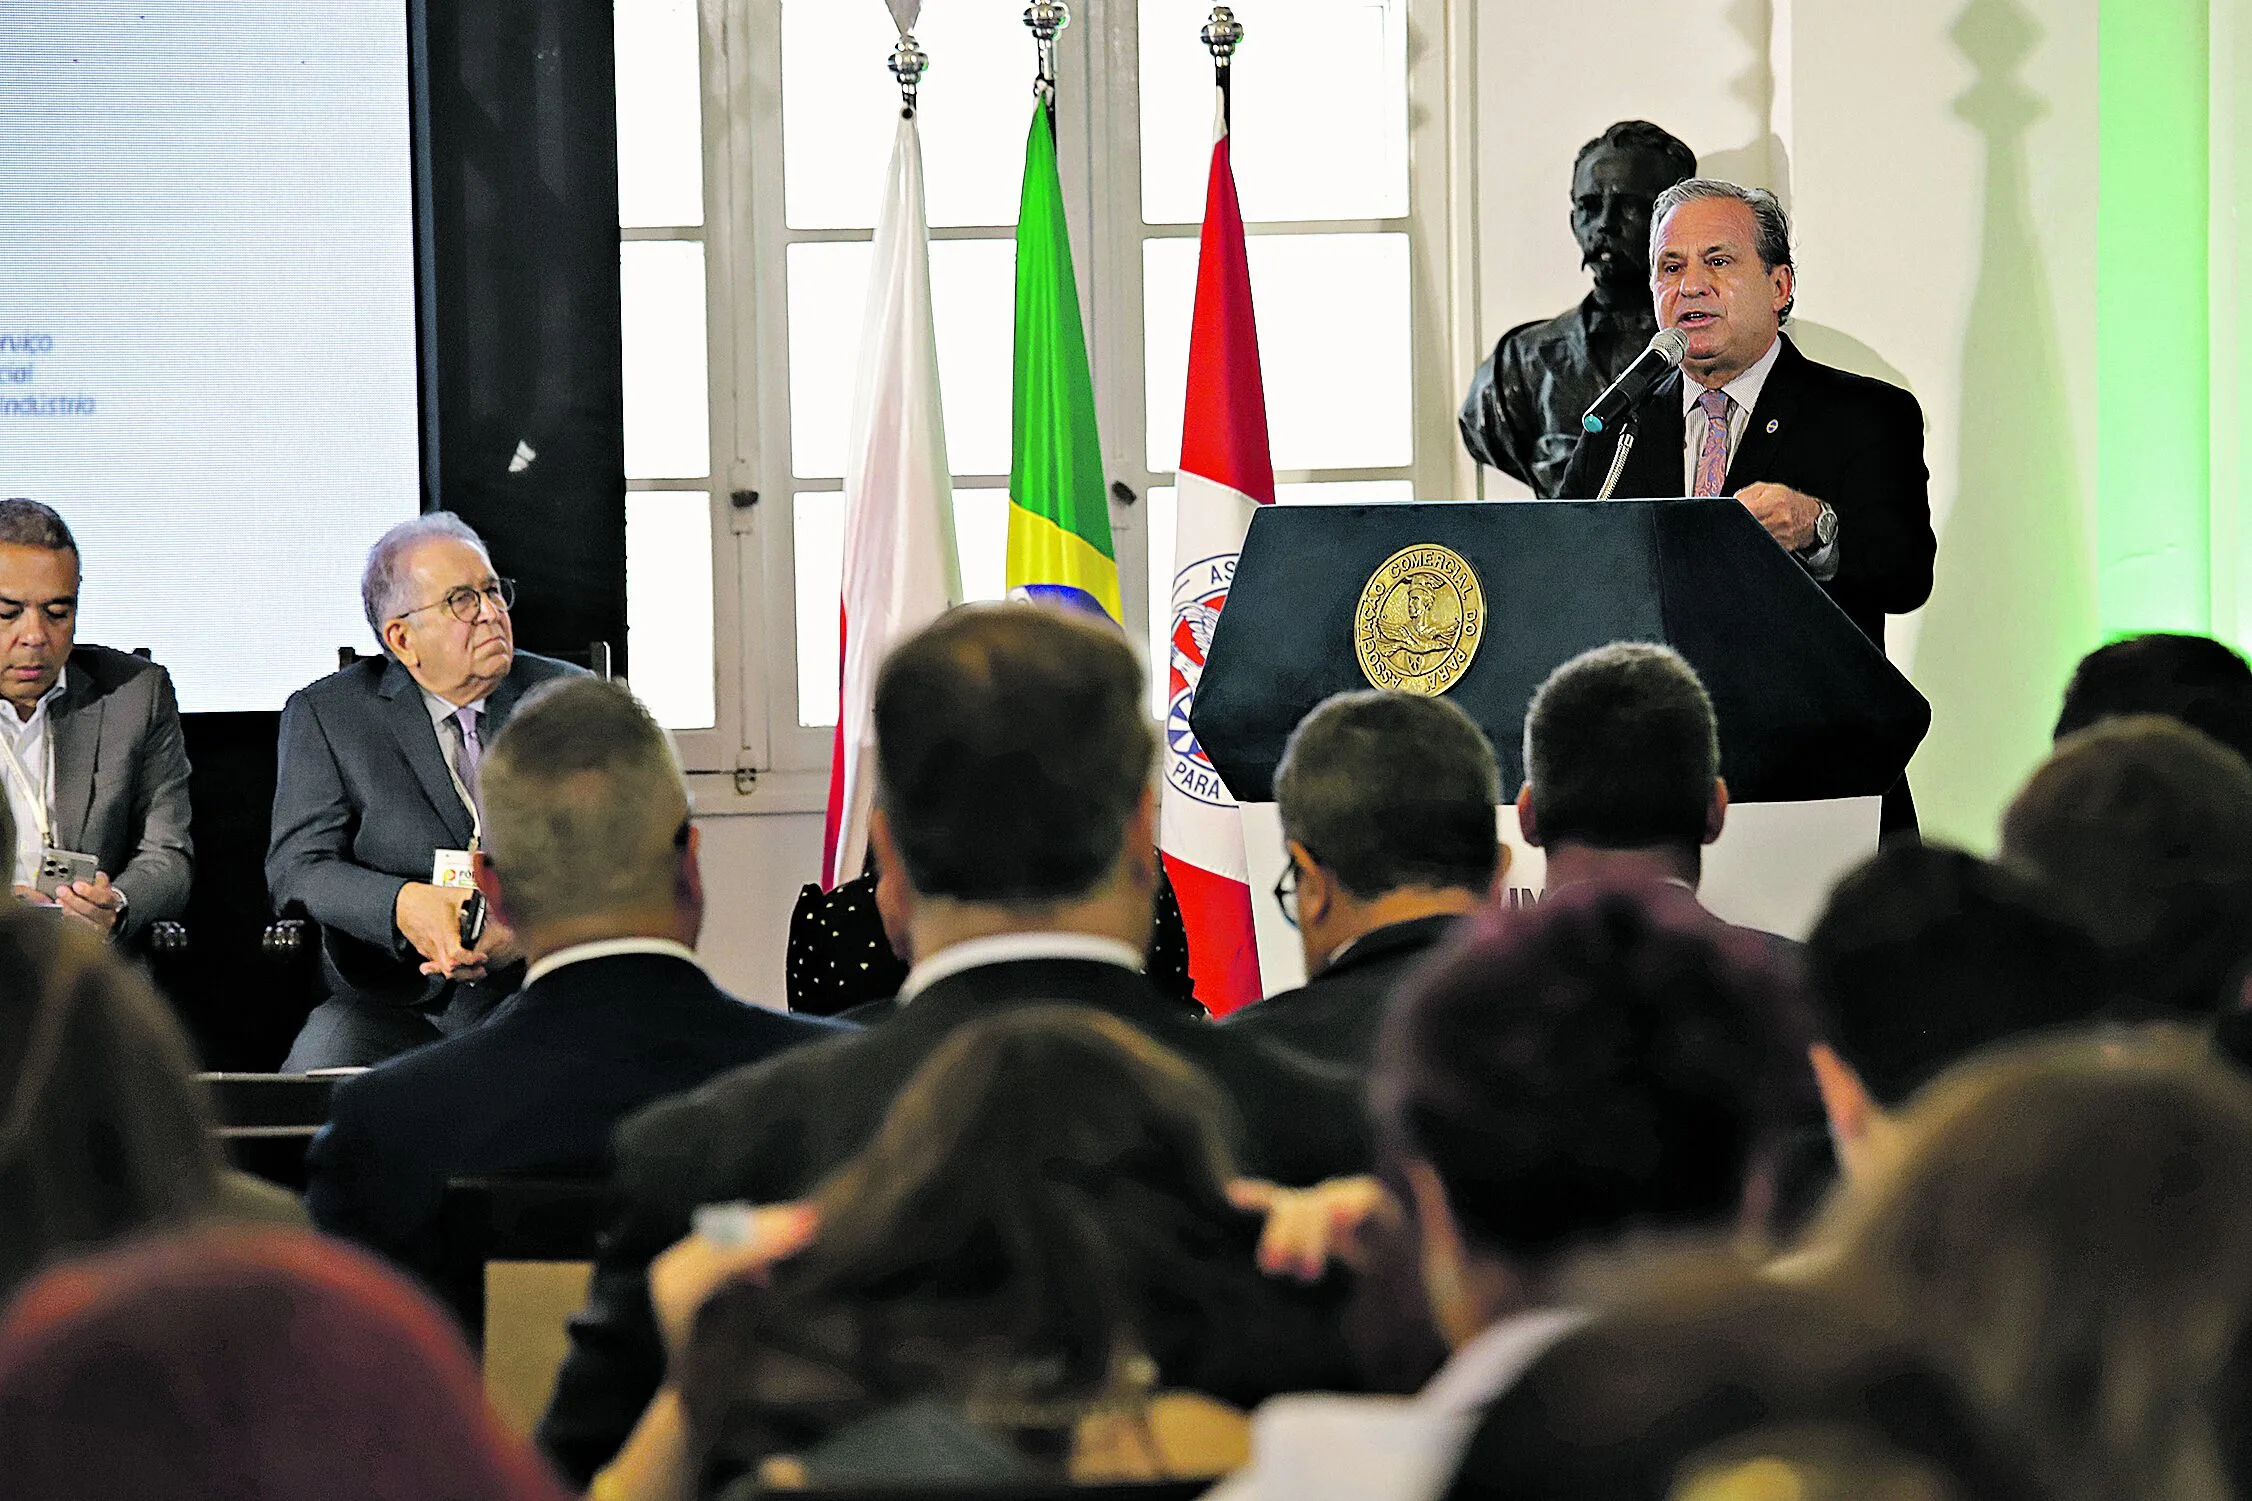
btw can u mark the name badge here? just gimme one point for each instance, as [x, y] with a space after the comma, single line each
[455, 868]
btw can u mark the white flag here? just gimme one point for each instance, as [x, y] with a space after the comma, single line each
[899, 566]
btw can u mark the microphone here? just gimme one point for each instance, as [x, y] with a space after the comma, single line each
[1627, 391]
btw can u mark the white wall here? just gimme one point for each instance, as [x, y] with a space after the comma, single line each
[753, 867]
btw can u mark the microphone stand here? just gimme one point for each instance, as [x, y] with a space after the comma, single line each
[1618, 460]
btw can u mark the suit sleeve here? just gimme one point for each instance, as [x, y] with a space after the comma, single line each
[156, 878]
[1885, 539]
[309, 860]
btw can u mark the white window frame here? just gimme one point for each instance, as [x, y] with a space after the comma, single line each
[757, 758]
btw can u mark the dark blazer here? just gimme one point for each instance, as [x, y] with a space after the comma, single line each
[1852, 441]
[773, 1132]
[361, 802]
[121, 780]
[537, 1088]
[1335, 1015]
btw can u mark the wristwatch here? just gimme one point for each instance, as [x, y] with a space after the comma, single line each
[1825, 527]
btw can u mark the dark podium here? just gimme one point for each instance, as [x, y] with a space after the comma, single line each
[1808, 707]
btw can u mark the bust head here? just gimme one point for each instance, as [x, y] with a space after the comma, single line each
[1615, 180]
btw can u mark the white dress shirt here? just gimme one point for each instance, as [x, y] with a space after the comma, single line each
[1316, 1446]
[29, 740]
[606, 948]
[1743, 395]
[1007, 948]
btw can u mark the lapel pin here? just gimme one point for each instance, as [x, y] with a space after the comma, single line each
[1772, 424]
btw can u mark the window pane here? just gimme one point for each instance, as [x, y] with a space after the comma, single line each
[667, 398]
[818, 529]
[1164, 513]
[669, 605]
[973, 287]
[1333, 347]
[660, 119]
[840, 110]
[1319, 128]
[981, 544]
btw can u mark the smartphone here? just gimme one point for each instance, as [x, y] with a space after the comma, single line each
[60, 868]
[473, 919]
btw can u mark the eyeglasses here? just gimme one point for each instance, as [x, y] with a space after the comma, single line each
[466, 604]
[1286, 889]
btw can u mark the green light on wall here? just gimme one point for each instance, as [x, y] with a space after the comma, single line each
[2153, 392]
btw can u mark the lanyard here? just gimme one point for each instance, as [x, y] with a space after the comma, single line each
[35, 793]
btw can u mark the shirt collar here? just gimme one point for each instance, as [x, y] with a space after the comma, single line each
[1744, 389]
[38, 720]
[607, 948]
[1009, 948]
[441, 711]
[1492, 1362]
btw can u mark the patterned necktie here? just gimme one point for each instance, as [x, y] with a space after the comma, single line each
[465, 721]
[1712, 454]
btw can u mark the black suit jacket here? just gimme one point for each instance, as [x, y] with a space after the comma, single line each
[1335, 1015]
[1852, 441]
[773, 1132]
[537, 1089]
[362, 800]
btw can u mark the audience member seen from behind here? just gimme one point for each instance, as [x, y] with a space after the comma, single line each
[1387, 804]
[92, 755]
[374, 799]
[1622, 770]
[591, 860]
[1014, 755]
[104, 1132]
[2144, 828]
[1923, 956]
[274, 1366]
[2194, 679]
[2069, 1233]
[1605, 1074]
[1032, 1270]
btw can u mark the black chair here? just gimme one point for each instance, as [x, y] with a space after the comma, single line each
[266, 1121]
[512, 1219]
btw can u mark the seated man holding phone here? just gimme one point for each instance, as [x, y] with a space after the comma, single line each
[375, 812]
[90, 747]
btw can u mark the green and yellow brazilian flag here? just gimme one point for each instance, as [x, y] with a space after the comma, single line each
[1060, 550]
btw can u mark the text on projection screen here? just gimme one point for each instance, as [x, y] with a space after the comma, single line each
[207, 341]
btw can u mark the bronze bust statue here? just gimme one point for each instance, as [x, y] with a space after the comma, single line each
[1522, 415]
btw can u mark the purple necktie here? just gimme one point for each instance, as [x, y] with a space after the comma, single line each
[1712, 454]
[471, 752]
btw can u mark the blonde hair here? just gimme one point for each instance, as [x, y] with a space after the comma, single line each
[2069, 1234]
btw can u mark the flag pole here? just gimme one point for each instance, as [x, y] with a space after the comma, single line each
[1221, 34]
[1045, 18]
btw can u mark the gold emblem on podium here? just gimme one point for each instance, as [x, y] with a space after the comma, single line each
[1419, 620]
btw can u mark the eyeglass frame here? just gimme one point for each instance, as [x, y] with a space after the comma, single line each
[1286, 884]
[501, 591]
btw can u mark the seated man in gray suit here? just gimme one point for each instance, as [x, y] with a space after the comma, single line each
[374, 801]
[92, 755]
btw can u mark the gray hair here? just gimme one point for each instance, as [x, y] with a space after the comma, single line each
[385, 577]
[1390, 789]
[1622, 749]
[585, 810]
[27, 523]
[1772, 239]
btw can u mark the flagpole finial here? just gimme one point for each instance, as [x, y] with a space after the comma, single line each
[908, 64]
[1221, 34]
[1045, 18]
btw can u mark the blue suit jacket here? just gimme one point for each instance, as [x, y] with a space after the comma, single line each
[537, 1088]
[362, 800]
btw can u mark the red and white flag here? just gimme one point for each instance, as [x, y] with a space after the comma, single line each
[1225, 474]
[899, 565]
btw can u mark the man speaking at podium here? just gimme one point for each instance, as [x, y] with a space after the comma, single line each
[1831, 463]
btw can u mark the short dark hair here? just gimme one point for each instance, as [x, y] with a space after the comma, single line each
[1642, 136]
[2194, 679]
[1772, 234]
[1390, 789]
[1622, 750]
[27, 523]
[1012, 745]
[1923, 955]
[1611, 1060]
[2144, 828]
